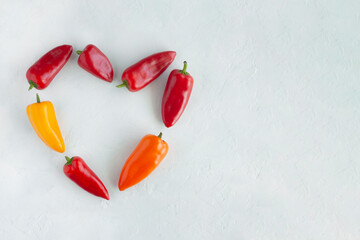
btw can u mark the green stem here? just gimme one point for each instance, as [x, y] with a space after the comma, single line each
[184, 69]
[124, 84]
[121, 85]
[32, 85]
[160, 135]
[68, 160]
[37, 98]
[79, 52]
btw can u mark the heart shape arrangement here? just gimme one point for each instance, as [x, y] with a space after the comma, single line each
[151, 149]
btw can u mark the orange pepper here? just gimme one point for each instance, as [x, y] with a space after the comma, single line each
[147, 155]
[43, 119]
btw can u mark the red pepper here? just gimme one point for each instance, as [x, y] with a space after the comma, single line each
[176, 95]
[43, 71]
[95, 62]
[139, 75]
[77, 170]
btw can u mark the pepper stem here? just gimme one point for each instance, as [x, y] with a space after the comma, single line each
[124, 84]
[121, 85]
[160, 135]
[32, 85]
[184, 69]
[79, 52]
[37, 98]
[68, 160]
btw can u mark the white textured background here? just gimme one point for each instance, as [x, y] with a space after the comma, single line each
[268, 147]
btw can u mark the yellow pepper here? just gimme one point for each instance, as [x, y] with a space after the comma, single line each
[43, 119]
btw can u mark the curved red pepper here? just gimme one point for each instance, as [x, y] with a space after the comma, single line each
[43, 71]
[77, 170]
[176, 95]
[95, 62]
[139, 75]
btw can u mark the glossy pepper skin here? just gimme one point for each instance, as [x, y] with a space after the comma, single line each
[147, 155]
[139, 75]
[95, 62]
[176, 95]
[43, 120]
[43, 71]
[79, 172]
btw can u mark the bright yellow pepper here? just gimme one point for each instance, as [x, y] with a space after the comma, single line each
[43, 119]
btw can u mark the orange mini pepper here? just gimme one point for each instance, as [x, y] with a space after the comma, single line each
[147, 155]
[43, 119]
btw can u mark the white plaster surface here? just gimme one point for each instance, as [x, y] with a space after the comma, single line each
[268, 147]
